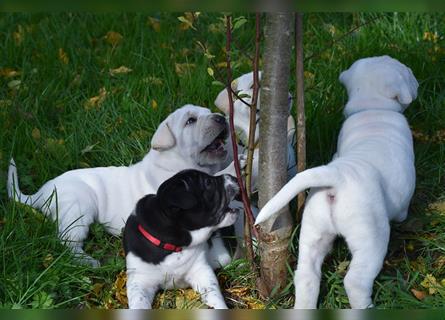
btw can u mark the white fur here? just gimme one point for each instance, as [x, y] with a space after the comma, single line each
[188, 268]
[369, 182]
[108, 194]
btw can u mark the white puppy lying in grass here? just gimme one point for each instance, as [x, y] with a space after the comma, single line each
[369, 182]
[189, 138]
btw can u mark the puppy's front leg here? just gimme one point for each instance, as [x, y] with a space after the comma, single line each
[140, 291]
[203, 280]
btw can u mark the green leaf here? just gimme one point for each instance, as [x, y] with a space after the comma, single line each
[186, 21]
[210, 71]
[239, 22]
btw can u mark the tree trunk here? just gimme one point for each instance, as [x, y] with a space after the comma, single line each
[301, 121]
[274, 235]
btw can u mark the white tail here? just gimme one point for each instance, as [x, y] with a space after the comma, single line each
[323, 176]
[13, 185]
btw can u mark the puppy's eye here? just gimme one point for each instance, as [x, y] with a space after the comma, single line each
[190, 121]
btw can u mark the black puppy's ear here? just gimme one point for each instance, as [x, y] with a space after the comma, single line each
[177, 197]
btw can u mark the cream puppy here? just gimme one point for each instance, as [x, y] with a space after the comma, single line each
[369, 182]
[190, 138]
[241, 117]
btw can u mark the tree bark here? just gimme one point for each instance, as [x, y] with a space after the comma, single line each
[301, 122]
[274, 235]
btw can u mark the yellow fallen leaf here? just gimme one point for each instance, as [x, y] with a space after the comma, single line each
[430, 283]
[113, 38]
[96, 101]
[48, 260]
[97, 288]
[309, 76]
[437, 206]
[186, 21]
[188, 299]
[154, 23]
[210, 71]
[253, 303]
[420, 295]
[430, 36]
[222, 64]
[182, 68]
[153, 80]
[35, 134]
[120, 70]
[120, 288]
[342, 267]
[19, 35]
[8, 73]
[439, 263]
[238, 291]
[154, 104]
[63, 56]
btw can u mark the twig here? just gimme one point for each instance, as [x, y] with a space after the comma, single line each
[301, 126]
[316, 54]
[251, 145]
[245, 198]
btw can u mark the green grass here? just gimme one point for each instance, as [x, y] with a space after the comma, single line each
[46, 126]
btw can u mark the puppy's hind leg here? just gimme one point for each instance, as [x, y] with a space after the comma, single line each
[368, 247]
[73, 230]
[316, 238]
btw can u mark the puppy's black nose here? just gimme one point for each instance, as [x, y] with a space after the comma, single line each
[219, 119]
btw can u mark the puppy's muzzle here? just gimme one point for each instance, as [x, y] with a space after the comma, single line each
[231, 186]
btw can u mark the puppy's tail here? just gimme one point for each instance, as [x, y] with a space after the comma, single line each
[323, 176]
[13, 185]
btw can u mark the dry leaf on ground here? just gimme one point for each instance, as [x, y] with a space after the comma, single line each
[96, 101]
[113, 38]
[120, 70]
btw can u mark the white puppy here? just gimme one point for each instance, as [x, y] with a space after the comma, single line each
[190, 138]
[369, 182]
[241, 116]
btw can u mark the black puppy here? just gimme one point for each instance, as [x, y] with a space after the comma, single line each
[165, 238]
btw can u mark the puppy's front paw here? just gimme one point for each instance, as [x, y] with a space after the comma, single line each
[242, 158]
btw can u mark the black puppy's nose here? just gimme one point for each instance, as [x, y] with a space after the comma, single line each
[219, 119]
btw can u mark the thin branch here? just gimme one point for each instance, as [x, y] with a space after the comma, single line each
[252, 129]
[245, 198]
[333, 42]
[301, 126]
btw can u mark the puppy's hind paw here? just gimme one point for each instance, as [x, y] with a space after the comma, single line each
[86, 260]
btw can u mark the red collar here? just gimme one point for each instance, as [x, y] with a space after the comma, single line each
[157, 242]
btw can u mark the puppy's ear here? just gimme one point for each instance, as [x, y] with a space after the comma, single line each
[404, 89]
[176, 196]
[163, 139]
[222, 100]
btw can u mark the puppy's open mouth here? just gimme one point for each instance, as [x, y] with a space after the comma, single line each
[217, 145]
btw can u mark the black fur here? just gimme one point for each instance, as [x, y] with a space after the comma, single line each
[188, 201]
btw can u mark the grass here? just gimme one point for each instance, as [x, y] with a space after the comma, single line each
[50, 123]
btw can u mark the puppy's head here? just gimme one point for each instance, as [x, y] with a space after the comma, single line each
[243, 86]
[198, 202]
[194, 133]
[241, 107]
[377, 78]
